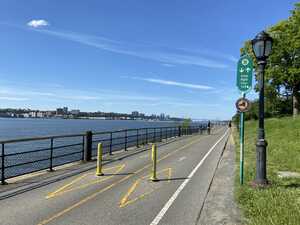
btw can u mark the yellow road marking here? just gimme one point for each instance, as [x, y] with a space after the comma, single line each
[110, 186]
[131, 189]
[62, 190]
[65, 186]
[127, 202]
[124, 201]
[82, 201]
[170, 175]
[159, 172]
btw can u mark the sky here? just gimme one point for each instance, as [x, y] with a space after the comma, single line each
[173, 56]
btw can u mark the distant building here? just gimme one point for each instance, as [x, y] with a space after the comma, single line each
[153, 117]
[33, 114]
[49, 113]
[40, 114]
[162, 116]
[65, 110]
[59, 111]
[135, 113]
[75, 111]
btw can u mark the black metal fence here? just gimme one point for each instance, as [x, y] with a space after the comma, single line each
[23, 156]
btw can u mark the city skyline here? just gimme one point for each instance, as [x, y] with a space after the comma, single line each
[77, 113]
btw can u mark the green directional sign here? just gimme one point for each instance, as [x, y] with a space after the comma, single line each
[244, 74]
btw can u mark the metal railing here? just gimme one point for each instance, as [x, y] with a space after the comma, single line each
[22, 156]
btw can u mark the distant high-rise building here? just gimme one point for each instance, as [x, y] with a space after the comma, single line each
[135, 113]
[65, 110]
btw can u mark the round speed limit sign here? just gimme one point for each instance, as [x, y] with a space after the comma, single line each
[242, 105]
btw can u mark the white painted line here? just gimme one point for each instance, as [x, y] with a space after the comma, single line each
[181, 158]
[181, 187]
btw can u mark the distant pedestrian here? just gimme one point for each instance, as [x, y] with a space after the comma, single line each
[229, 124]
[208, 127]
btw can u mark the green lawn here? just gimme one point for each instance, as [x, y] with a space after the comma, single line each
[280, 202]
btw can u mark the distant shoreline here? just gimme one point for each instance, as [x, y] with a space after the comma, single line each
[87, 118]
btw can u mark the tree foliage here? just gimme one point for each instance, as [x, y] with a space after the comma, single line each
[282, 74]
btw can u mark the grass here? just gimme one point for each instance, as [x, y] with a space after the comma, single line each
[279, 203]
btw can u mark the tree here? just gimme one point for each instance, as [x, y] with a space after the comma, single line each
[282, 74]
[186, 123]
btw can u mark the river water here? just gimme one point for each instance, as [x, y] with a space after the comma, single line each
[11, 128]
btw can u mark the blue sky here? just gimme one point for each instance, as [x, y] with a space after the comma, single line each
[172, 56]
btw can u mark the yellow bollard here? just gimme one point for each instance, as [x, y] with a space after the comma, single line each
[99, 161]
[154, 158]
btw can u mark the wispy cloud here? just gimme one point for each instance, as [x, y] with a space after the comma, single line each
[212, 53]
[8, 98]
[172, 83]
[164, 55]
[14, 93]
[37, 23]
[167, 65]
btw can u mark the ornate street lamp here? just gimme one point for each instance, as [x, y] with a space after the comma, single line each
[261, 46]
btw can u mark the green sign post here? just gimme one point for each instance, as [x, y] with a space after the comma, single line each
[244, 84]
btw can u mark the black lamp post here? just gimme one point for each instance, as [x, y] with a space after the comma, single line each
[262, 46]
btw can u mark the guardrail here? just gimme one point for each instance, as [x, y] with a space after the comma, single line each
[22, 156]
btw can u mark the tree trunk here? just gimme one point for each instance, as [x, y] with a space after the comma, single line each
[295, 102]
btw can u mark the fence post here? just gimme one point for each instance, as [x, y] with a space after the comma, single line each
[154, 135]
[137, 138]
[166, 133]
[82, 157]
[2, 166]
[125, 140]
[161, 136]
[110, 143]
[146, 135]
[51, 155]
[88, 146]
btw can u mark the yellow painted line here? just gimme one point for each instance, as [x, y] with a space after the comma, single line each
[63, 190]
[137, 198]
[129, 192]
[170, 175]
[65, 186]
[159, 172]
[109, 187]
[124, 201]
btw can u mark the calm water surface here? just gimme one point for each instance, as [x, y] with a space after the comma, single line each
[11, 128]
